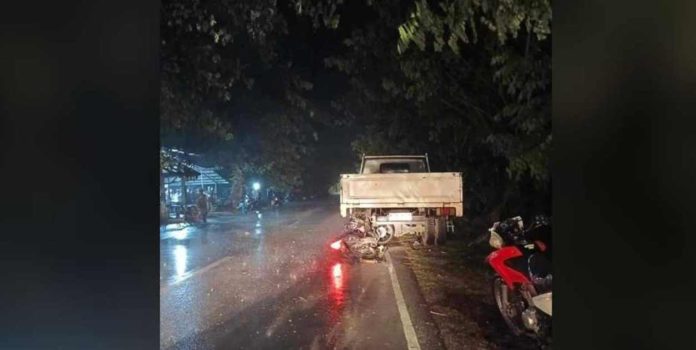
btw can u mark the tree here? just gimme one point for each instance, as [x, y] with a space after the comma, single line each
[474, 92]
[222, 62]
[520, 59]
[466, 81]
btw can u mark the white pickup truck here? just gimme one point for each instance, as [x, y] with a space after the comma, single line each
[398, 195]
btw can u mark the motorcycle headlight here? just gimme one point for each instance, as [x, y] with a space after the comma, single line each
[336, 245]
[495, 241]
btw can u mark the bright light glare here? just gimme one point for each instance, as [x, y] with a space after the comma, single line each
[336, 245]
[257, 186]
[180, 257]
[336, 271]
[180, 234]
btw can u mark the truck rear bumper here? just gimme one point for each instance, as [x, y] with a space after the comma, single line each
[458, 207]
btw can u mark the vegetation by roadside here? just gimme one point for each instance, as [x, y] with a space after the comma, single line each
[455, 282]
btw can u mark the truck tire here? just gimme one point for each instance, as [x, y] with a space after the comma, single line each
[428, 237]
[440, 231]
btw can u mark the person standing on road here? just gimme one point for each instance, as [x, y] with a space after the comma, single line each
[203, 205]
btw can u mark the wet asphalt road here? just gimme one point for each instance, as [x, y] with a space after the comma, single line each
[271, 282]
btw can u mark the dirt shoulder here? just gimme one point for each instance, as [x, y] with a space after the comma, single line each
[456, 285]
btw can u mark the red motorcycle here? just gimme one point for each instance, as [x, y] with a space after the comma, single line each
[522, 286]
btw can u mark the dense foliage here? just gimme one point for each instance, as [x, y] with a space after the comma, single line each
[229, 89]
[466, 81]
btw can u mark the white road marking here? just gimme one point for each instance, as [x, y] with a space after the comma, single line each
[177, 279]
[409, 331]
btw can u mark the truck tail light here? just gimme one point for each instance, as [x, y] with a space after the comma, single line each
[447, 211]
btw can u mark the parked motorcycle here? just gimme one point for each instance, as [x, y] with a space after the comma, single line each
[247, 204]
[276, 202]
[522, 286]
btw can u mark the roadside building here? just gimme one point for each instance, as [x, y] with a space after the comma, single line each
[181, 179]
[208, 179]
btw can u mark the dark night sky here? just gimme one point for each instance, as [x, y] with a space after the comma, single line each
[308, 47]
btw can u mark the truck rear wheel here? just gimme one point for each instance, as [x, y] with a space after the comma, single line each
[435, 232]
[440, 231]
[427, 238]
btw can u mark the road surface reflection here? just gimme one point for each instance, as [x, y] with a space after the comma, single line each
[337, 292]
[180, 261]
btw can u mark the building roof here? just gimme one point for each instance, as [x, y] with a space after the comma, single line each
[174, 164]
[179, 170]
[208, 176]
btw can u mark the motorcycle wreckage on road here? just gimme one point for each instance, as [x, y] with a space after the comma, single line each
[357, 243]
[522, 286]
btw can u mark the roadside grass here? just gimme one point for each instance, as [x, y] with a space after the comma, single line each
[456, 284]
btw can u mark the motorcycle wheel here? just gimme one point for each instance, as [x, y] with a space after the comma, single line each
[510, 305]
[389, 234]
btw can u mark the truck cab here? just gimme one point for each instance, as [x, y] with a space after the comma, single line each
[394, 164]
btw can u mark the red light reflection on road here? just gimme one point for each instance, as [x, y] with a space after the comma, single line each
[336, 271]
[336, 291]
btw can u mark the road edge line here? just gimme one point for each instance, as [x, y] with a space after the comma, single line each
[409, 331]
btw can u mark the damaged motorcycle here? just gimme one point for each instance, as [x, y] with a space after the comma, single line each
[522, 286]
[358, 243]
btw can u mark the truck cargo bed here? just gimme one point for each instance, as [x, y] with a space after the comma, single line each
[401, 190]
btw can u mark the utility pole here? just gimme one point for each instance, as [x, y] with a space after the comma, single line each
[184, 193]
